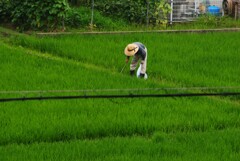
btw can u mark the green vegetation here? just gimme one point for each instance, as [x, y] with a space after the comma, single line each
[105, 15]
[209, 22]
[169, 129]
[79, 18]
[32, 14]
[213, 61]
[206, 146]
[55, 15]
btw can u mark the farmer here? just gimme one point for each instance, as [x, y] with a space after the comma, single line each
[139, 52]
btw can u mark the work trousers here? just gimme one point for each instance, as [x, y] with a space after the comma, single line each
[135, 60]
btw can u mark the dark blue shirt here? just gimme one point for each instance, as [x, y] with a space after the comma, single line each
[141, 51]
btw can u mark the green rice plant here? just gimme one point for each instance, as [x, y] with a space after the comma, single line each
[208, 146]
[94, 118]
[51, 121]
[51, 74]
[188, 59]
[197, 128]
[205, 60]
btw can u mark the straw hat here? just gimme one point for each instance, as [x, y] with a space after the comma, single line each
[131, 49]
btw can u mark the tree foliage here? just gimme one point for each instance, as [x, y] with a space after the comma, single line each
[162, 9]
[52, 14]
[133, 11]
[5, 10]
[137, 11]
[34, 14]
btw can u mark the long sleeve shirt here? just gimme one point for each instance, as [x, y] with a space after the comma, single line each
[141, 52]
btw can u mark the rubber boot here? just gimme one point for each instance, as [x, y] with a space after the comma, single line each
[141, 75]
[132, 72]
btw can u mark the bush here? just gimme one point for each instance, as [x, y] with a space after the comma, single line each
[133, 11]
[5, 10]
[80, 2]
[34, 14]
[81, 17]
[78, 17]
[136, 11]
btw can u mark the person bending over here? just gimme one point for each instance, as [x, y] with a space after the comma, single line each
[139, 53]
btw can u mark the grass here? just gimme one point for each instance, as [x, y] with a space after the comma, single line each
[212, 58]
[103, 23]
[93, 119]
[79, 19]
[37, 68]
[198, 128]
[192, 146]
[208, 22]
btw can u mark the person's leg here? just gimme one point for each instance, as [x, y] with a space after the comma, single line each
[133, 65]
[144, 65]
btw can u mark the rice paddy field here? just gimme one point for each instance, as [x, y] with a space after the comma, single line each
[120, 129]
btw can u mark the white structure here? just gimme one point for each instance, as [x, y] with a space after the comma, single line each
[188, 10]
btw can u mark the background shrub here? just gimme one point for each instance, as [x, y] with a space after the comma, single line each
[80, 17]
[34, 14]
[5, 10]
[132, 11]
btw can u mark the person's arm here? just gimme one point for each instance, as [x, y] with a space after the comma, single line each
[127, 59]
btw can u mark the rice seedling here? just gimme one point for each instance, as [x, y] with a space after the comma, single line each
[190, 59]
[197, 128]
[212, 145]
